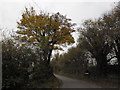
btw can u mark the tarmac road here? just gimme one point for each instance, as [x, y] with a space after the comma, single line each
[73, 83]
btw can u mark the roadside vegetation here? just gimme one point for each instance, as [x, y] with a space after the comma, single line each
[97, 56]
[26, 55]
[21, 67]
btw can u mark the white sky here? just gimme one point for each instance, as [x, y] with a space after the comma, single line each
[77, 10]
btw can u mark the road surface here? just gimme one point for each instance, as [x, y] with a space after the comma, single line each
[73, 83]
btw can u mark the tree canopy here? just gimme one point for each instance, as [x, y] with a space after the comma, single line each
[45, 30]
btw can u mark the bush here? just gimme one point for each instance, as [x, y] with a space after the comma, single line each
[21, 66]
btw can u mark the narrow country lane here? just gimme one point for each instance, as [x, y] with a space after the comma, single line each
[73, 83]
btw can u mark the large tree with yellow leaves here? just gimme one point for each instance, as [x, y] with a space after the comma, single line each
[48, 31]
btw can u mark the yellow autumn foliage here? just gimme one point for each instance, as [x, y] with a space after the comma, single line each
[46, 29]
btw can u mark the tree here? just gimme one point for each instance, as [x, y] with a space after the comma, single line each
[95, 40]
[112, 22]
[56, 62]
[72, 62]
[47, 31]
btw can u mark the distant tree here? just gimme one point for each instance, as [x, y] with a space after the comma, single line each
[55, 63]
[45, 30]
[72, 62]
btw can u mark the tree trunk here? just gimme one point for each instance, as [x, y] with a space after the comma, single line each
[49, 56]
[118, 56]
[117, 51]
[101, 65]
[48, 62]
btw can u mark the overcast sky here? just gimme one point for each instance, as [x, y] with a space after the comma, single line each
[77, 10]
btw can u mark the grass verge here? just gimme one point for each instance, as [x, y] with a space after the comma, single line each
[52, 83]
[102, 82]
